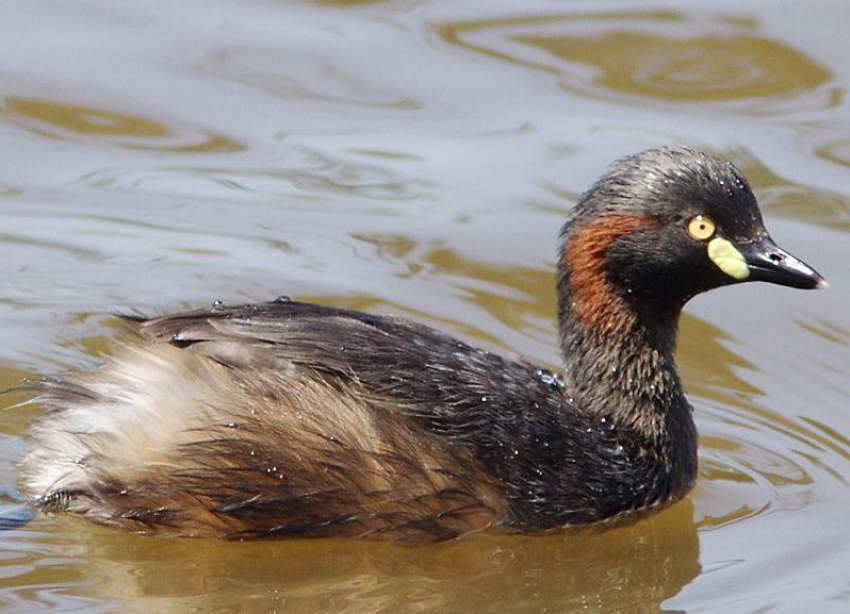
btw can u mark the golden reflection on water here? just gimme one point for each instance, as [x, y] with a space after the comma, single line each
[522, 298]
[514, 295]
[709, 368]
[652, 56]
[835, 150]
[593, 571]
[83, 120]
[66, 121]
[708, 68]
[14, 421]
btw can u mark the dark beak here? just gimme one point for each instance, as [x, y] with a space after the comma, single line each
[769, 262]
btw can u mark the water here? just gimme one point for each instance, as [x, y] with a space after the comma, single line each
[417, 157]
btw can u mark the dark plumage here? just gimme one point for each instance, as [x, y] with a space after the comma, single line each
[291, 419]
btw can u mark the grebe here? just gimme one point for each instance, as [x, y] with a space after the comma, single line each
[292, 419]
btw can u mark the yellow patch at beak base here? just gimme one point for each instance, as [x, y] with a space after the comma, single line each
[727, 257]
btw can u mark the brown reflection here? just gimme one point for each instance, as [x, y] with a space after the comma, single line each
[660, 56]
[629, 569]
[83, 120]
[708, 367]
[386, 154]
[67, 121]
[393, 248]
[16, 418]
[828, 330]
[695, 69]
[837, 151]
[514, 295]
[211, 143]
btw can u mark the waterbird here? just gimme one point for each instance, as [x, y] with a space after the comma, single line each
[290, 419]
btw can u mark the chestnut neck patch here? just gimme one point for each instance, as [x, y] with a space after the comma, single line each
[594, 303]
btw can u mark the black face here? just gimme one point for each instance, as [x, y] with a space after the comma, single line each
[704, 229]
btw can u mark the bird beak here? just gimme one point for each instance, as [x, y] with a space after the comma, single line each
[766, 261]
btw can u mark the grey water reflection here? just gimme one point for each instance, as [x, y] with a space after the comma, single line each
[303, 174]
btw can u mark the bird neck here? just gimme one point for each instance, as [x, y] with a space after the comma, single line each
[619, 358]
[618, 348]
[623, 376]
[625, 371]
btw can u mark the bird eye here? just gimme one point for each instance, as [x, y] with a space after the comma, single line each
[701, 227]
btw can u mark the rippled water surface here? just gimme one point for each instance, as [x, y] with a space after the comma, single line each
[417, 157]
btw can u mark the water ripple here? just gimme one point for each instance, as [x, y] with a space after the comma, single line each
[647, 57]
[305, 174]
[74, 122]
[298, 72]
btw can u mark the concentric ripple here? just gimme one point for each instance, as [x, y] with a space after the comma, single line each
[656, 56]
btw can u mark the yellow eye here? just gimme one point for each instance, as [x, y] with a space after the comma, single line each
[701, 227]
